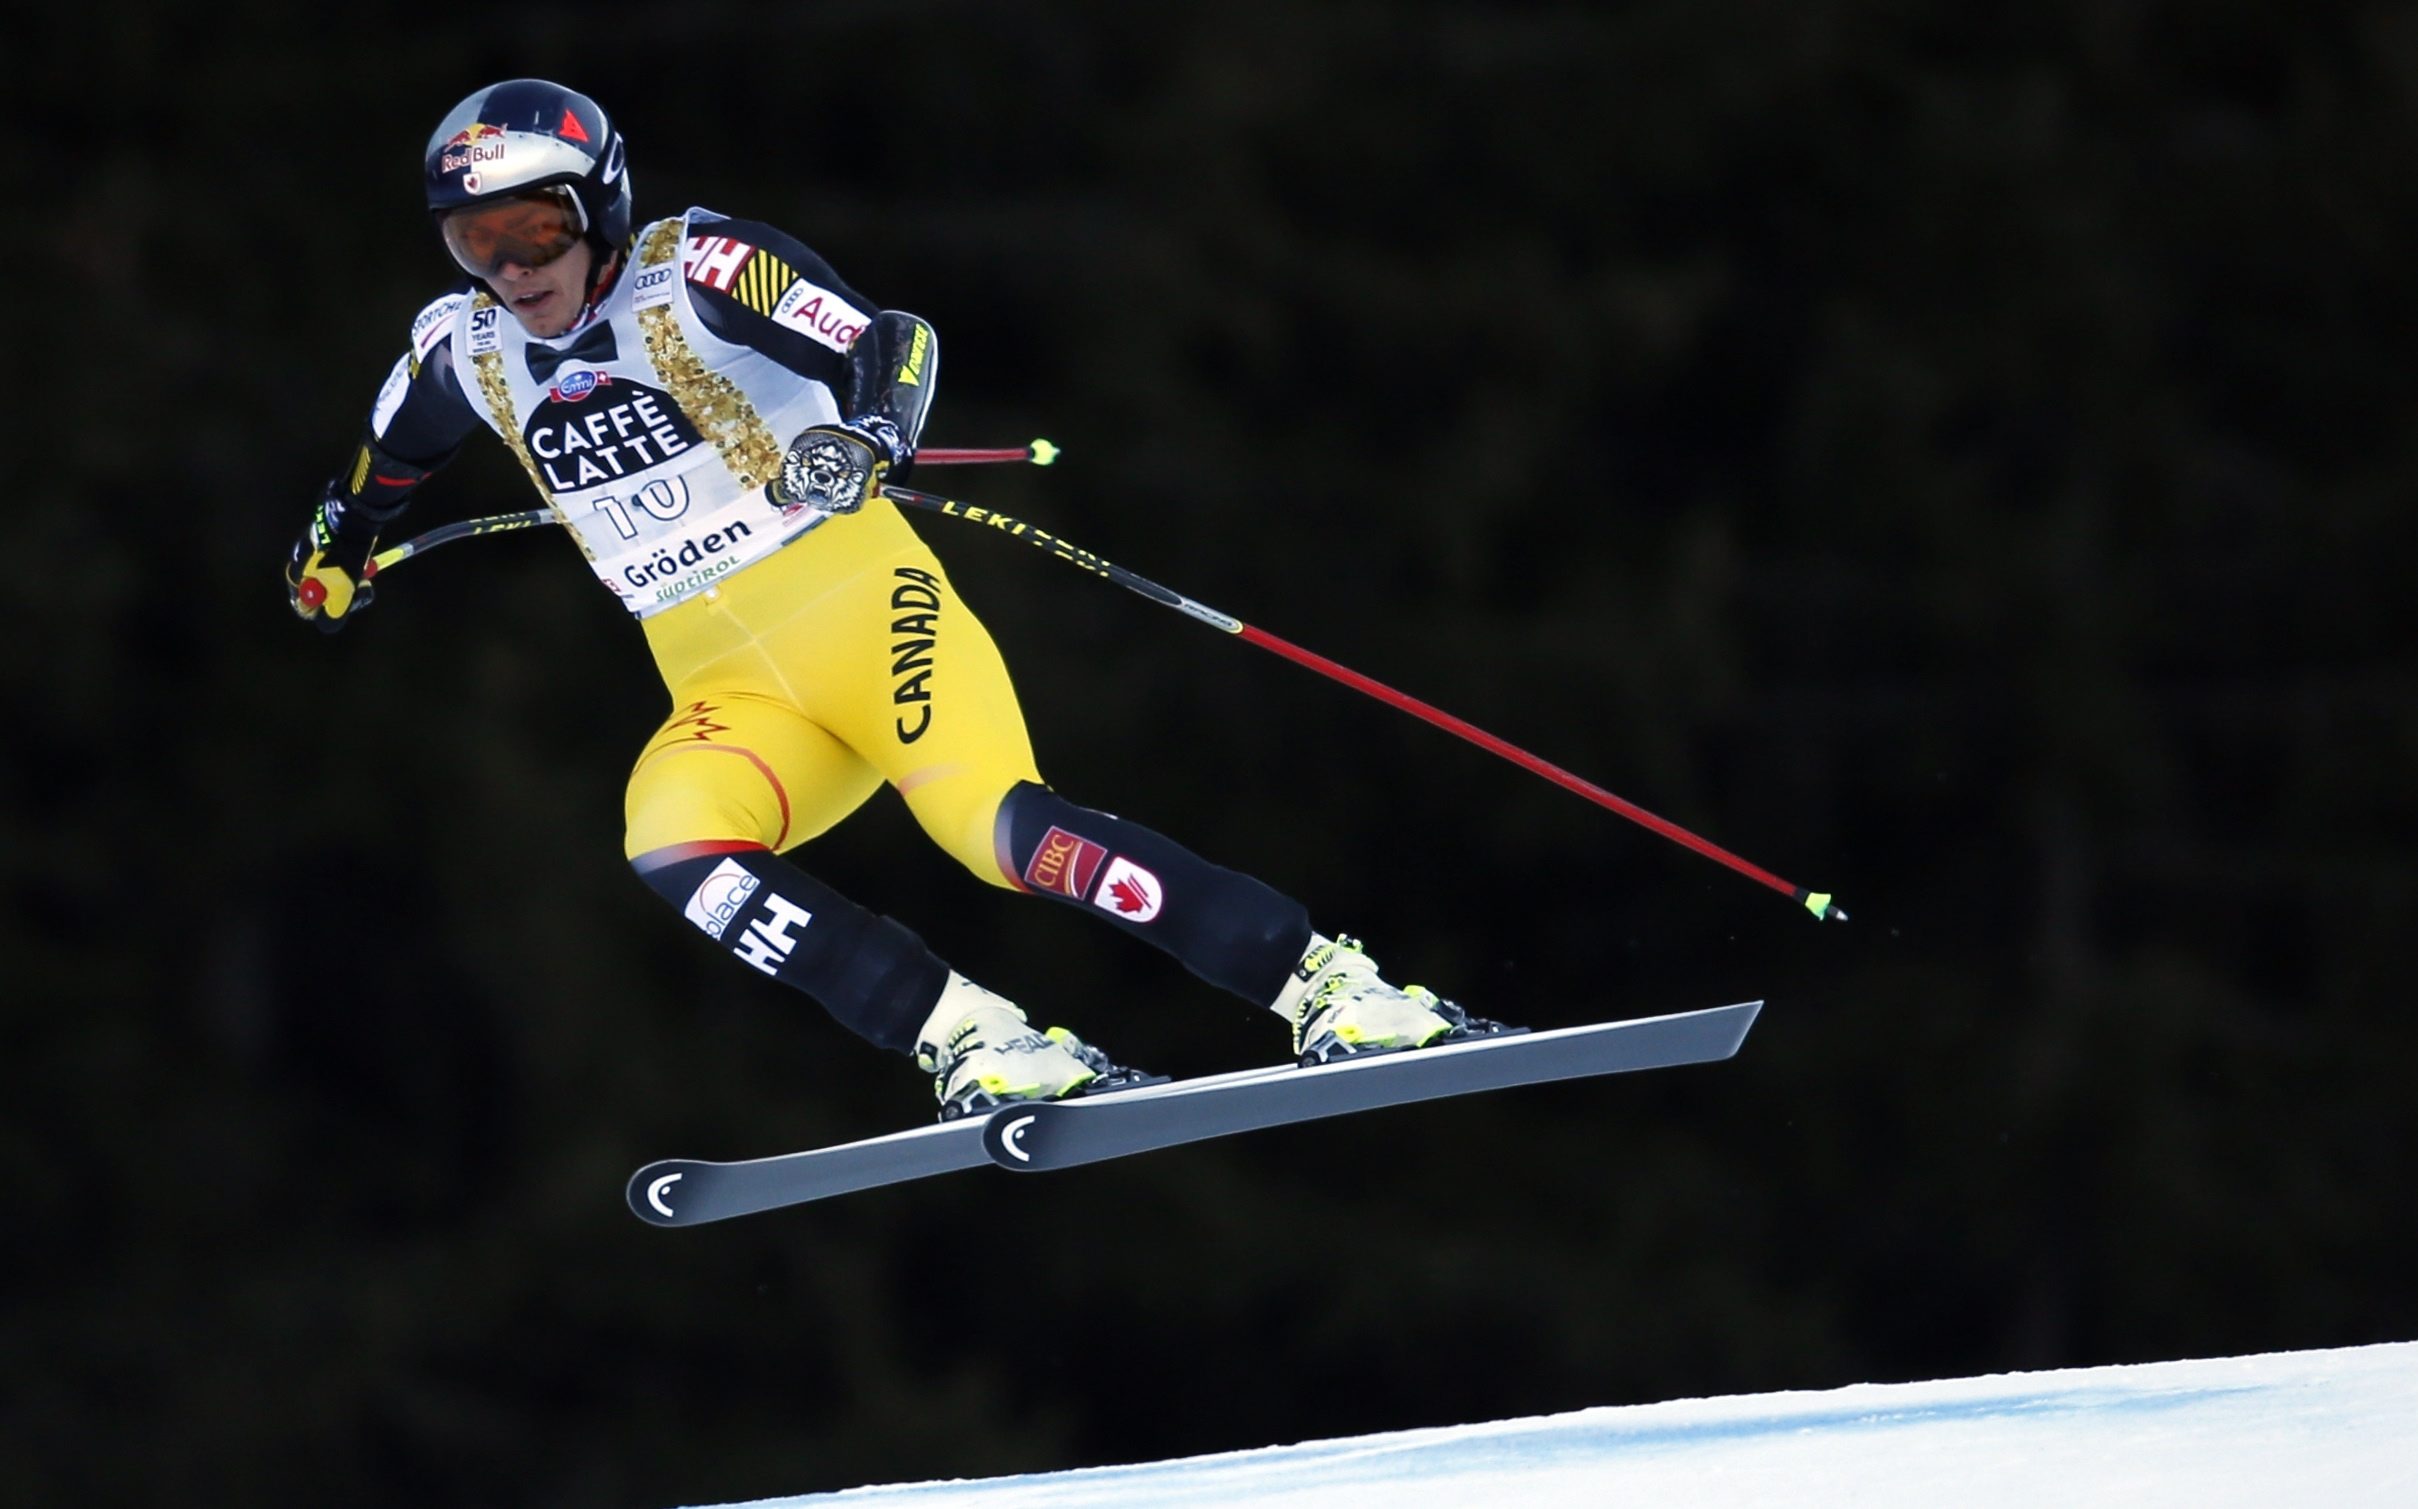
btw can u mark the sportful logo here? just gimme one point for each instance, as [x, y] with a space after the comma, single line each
[1129, 891]
[435, 323]
[721, 898]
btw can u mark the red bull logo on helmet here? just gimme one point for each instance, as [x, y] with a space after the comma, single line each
[466, 151]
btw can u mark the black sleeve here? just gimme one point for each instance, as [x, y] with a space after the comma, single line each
[420, 419]
[757, 285]
[434, 417]
[760, 287]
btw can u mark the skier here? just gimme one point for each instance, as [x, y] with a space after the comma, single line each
[711, 413]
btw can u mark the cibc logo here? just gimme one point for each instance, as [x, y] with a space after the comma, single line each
[1065, 863]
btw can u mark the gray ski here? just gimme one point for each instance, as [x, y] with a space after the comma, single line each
[692, 1191]
[1062, 1134]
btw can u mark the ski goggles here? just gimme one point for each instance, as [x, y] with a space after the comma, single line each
[530, 229]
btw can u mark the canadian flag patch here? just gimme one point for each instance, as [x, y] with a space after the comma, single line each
[1129, 891]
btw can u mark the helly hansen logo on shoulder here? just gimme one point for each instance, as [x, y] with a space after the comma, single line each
[914, 630]
[714, 260]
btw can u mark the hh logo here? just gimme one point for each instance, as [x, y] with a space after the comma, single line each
[767, 944]
[714, 260]
[1129, 891]
[1064, 863]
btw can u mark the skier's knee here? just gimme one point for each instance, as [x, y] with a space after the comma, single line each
[965, 817]
[874, 975]
[663, 814]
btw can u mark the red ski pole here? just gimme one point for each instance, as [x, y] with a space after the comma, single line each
[1042, 453]
[1817, 902]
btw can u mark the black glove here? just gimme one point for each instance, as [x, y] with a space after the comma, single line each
[837, 467]
[327, 575]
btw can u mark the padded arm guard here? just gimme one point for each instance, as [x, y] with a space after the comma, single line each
[892, 371]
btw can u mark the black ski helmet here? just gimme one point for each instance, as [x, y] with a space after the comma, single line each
[525, 134]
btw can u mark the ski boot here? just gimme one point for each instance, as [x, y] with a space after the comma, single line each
[982, 1053]
[1339, 1007]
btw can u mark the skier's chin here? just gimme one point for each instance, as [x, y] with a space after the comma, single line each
[544, 312]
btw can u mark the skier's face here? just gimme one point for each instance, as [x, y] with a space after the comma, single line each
[545, 299]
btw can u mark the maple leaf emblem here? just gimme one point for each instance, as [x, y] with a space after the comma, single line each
[1128, 895]
[1129, 891]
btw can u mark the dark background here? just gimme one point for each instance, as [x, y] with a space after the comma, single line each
[1959, 456]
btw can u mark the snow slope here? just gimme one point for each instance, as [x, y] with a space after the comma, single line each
[2335, 1429]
